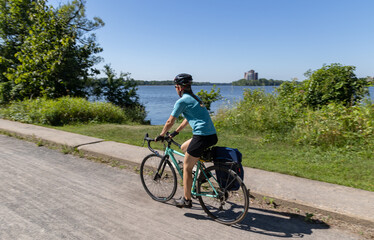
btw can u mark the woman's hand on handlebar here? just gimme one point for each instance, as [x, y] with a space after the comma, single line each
[159, 138]
[168, 136]
[173, 134]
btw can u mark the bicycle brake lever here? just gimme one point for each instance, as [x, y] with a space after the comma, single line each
[145, 137]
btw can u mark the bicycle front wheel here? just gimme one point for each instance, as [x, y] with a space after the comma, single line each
[224, 200]
[158, 178]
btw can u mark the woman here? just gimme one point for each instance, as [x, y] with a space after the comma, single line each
[204, 133]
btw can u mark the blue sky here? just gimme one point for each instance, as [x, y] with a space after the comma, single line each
[217, 41]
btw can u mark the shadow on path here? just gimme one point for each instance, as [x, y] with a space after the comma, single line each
[272, 223]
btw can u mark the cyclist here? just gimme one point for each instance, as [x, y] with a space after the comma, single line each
[204, 133]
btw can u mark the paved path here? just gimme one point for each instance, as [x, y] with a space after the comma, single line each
[45, 194]
[339, 201]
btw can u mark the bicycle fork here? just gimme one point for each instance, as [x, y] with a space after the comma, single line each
[160, 168]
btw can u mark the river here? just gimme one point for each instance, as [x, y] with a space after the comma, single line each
[159, 100]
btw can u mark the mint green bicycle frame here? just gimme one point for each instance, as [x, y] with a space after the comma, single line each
[200, 166]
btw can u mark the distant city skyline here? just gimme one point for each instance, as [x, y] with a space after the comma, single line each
[251, 75]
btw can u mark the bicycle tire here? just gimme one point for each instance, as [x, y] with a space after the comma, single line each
[159, 187]
[230, 207]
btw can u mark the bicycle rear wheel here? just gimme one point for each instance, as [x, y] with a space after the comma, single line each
[230, 206]
[158, 178]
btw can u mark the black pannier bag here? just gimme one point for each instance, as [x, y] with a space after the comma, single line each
[229, 158]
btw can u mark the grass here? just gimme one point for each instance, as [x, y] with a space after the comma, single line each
[351, 167]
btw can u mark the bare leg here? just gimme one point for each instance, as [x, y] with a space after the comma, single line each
[185, 145]
[189, 163]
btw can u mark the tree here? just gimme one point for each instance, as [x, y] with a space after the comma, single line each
[209, 98]
[334, 83]
[14, 22]
[45, 51]
[119, 91]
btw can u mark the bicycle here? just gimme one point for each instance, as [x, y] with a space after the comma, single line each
[159, 179]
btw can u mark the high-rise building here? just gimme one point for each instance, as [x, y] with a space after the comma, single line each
[251, 75]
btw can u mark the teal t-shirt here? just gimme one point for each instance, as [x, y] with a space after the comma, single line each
[197, 116]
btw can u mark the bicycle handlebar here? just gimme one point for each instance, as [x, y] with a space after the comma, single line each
[167, 138]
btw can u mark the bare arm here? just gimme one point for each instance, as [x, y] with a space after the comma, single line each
[168, 125]
[182, 125]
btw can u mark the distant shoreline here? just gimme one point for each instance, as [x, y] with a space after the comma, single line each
[169, 83]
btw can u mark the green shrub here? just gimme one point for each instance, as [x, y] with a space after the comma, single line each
[257, 111]
[334, 83]
[335, 125]
[276, 118]
[63, 111]
[291, 95]
[5, 92]
[137, 114]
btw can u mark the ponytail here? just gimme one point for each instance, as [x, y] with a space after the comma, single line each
[189, 92]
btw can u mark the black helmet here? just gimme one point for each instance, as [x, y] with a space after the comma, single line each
[183, 79]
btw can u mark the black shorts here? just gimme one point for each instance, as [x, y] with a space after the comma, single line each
[199, 143]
